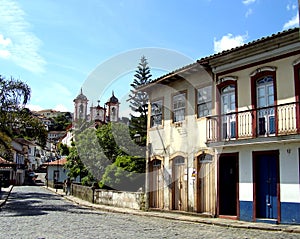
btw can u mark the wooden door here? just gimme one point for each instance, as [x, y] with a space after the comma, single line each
[156, 184]
[179, 191]
[205, 184]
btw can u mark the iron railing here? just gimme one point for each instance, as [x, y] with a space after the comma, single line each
[261, 122]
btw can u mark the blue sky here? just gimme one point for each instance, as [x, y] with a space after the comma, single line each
[55, 46]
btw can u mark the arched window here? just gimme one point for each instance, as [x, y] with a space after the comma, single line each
[228, 105]
[264, 103]
[263, 91]
[178, 160]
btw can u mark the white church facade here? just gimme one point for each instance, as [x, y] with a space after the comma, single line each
[100, 115]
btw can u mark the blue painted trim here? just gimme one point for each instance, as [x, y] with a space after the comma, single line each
[246, 211]
[290, 213]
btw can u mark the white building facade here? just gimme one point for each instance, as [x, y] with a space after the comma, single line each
[224, 134]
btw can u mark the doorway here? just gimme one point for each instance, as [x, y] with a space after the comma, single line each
[179, 189]
[156, 184]
[266, 183]
[205, 184]
[228, 185]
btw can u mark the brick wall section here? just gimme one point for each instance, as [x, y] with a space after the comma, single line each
[133, 200]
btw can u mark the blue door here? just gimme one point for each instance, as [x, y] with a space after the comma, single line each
[266, 186]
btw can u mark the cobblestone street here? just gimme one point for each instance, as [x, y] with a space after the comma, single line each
[34, 212]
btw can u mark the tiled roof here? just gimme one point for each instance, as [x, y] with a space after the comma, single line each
[267, 38]
[59, 162]
[205, 59]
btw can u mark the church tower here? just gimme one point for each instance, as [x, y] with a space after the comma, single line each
[80, 107]
[98, 114]
[113, 109]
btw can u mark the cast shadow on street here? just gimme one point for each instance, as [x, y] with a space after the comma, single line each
[40, 203]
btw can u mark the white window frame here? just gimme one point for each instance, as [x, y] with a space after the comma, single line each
[156, 113]
[204, 101]
[179, 105]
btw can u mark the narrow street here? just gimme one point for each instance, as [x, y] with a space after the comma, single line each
[35, 212]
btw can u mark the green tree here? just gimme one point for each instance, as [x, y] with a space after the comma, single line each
[126, 174]
[91, 153]
[63, 149]
[30, 127]
[99, 148]
[61, 122]
[15, 119]
[139, 100]
[74, 164]
[107, 142]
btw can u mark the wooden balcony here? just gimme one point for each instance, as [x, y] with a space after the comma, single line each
[277, 120]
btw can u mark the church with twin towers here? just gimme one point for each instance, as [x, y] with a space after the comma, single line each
[100, 115]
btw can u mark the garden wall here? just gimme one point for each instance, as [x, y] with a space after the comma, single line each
[133, 200]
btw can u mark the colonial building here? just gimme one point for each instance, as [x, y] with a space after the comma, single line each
[57, 174]
[224, 133]
[97, 114]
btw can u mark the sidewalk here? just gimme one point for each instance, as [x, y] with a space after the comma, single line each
[188, 217]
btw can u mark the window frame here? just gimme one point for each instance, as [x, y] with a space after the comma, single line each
[204, 102]
[152, 121]
[224, 84]
[255, 77]
[297, 92]
[184, 93]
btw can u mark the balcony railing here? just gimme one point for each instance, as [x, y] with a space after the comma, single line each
[261, 122]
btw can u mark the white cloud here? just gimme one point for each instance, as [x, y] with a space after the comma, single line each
[229, 41]
[247, 2]
[34, 107]
[61, 108]
[21, 45]
[4, 54]
[291, 7]
[4, 42]
[294, 22]
[249, 12]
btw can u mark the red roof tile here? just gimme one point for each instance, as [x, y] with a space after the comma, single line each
[61, 161]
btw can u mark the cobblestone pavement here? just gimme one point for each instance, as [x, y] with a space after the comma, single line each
[34, 212]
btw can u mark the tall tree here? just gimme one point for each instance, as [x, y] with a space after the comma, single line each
[92, 155]
[15, 119]
[139, 100]
[75, 165]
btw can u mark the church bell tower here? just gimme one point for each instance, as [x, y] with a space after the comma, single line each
[80, 108]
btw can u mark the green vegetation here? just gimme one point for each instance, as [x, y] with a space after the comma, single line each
[139, 101]
[16, 121]
[61, 122]
[126, 173]
[109, 154]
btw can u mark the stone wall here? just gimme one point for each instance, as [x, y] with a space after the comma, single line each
[82, 192]
[133, 200]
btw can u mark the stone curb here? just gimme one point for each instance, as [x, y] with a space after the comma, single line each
[187, 218]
